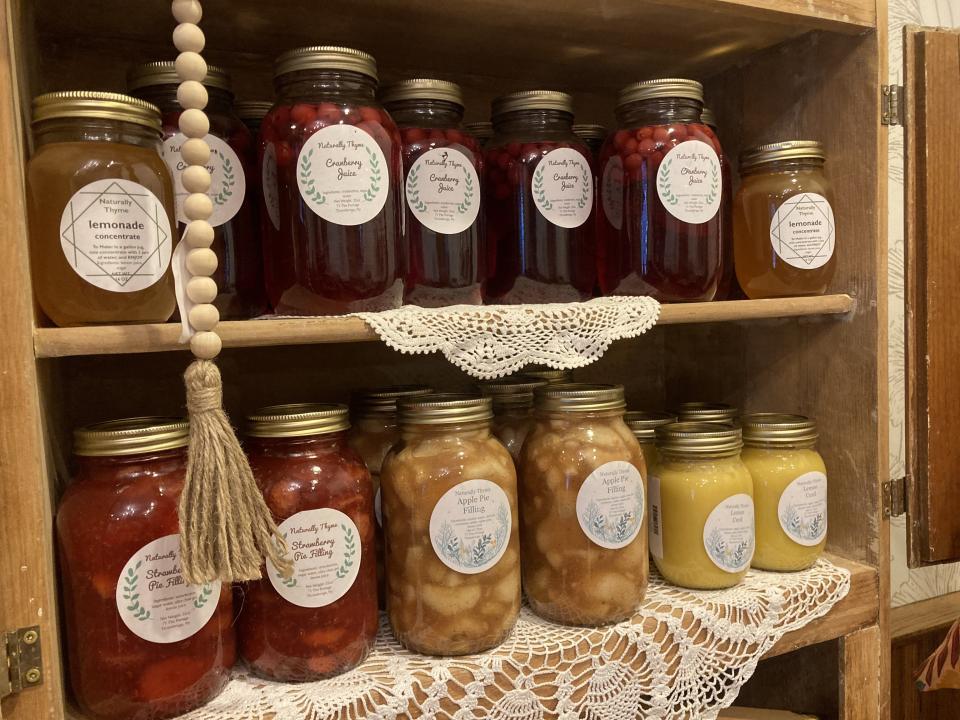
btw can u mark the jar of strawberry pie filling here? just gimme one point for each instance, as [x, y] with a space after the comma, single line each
[441, 164]
[331, 167]
[539, 200]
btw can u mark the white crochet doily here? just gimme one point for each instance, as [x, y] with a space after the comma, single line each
[686, 654]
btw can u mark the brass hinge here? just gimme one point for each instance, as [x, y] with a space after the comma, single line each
[891, 105]
[21, 665]
[895, 497]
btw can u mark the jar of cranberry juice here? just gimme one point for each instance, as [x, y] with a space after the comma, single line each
[331, 164]
[239, 273]
[141, 644]
[539, 200]
[441, 165]
[664, 196]
[322, 620]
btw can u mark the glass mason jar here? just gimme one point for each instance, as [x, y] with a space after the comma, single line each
[450, 522]
[539, 198]
[251, 114]
[592, 135]
[707, 412]
[239, 273]
[789, 489]
[322, 620]
[446, 252]
[482, 131]
[583, 508]
[701, 506]
[332, 188]
[100, 209]
[662, 232]
[784, 229]
[512, 409]
[643, 425]
[141, 644]
[553, 376]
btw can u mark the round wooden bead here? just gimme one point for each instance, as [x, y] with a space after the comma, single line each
[206, 345]
[190, 66]
[197, 206]
[204, 317]
[194, 123]
[188, 37]
[191, 94]
[195, 178]
[202, 261]
[199, 234]
[195, 152]
[201, 289]
[187, 11]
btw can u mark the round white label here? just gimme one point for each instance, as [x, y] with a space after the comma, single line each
[154, 600]
[689, 182]
[562, 187]
[728, 534]
[325, 548]
[271, 191]
[470, 526]
[442, 190]
[802, 231]
[803, 509]
[227, 181]
[611, 191]
[115, 234]
[610, 504]
[343, 175]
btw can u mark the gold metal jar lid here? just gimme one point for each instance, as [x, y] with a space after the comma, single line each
[326, 57]
[553, 376]
[164, 72]
[778, 151]
[511, 392]
[445, 409]
[589, 131]
[96, 105]
[532, 100]
[383, 400]
[480, 130]
[661, 88]
[708, 118]
[131, 436]
[699, 439]
[778, 429]
[643, 424]
[422, 89]
[579, 397]
[298, 420]
[252, 109]
[706, 412]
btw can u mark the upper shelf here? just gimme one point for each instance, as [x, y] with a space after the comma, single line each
[125, 339]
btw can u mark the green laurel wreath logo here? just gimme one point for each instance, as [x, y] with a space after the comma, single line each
[663, 183]
[203, 597]
[538, 190]
[375, 171]
[350, 550]
[229, 180]
[307, 179]
[130, 594]
[714, 183]
[582, 202]
[413, 190]
[467, 194]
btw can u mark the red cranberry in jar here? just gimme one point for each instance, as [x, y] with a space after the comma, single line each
[233, 188]
[662, 228]
[322, 620]
[331, 164]
[141, 643]
[441, 164]
[539, 202]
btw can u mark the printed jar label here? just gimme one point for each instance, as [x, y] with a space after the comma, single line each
[470, 526]
[728, 534]
[611, 191]
[442, 190]
[803, 509]
[562, 187]
[343, 175]
[655, 533]
[689, 182]
[802, 231]
[271, 192]
[115, 234]
[227, 181]
[325, 548]
[154, 600]
[610, 504]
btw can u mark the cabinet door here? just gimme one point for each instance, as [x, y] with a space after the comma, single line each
[932, 277]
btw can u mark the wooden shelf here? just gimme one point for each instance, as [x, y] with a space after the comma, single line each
[164, 337]
[923, 616]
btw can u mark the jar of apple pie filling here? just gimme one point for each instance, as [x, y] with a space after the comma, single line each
[512, 409]
[450, 523]
[141, 644]
[331, 165]
[583, 508]
[322, 620]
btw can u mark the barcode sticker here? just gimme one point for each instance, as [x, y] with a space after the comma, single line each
[656, 523]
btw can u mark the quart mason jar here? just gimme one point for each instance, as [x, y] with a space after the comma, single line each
[789, 489]
[512, 409]
[322, 620]
[662, 232]
[239, 273]
[784, 228]
[100, 210]
[539, 199]
[707, 412]
[450, 522]
[331, 166]
[583, 508]
[442, 166]
[644, 426]
[141, 643]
